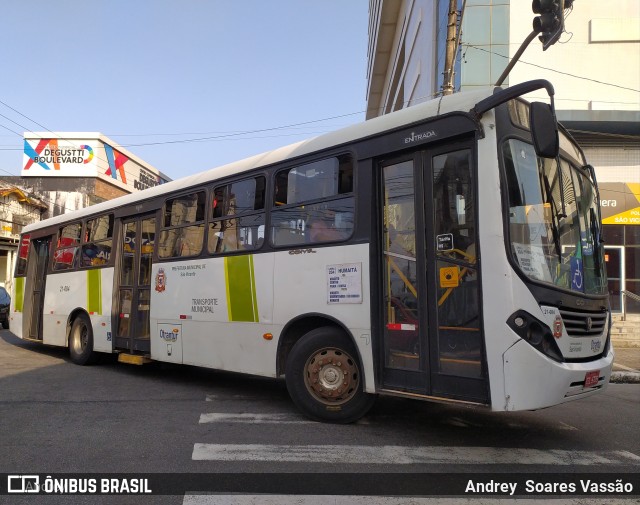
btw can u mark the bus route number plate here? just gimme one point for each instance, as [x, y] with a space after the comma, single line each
[591, 379]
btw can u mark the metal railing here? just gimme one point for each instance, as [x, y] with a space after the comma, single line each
[627, 294]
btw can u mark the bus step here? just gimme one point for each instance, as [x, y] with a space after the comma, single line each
[133, 359]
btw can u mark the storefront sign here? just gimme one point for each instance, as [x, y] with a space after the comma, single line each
[620, 203]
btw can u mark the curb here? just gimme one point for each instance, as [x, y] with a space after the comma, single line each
[625, 377]
[628, 344]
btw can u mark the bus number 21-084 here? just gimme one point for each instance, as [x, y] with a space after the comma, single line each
[65, 289]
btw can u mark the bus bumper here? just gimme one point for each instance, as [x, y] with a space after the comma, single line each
[533, 381]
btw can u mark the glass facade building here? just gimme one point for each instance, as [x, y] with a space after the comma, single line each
[597, 101]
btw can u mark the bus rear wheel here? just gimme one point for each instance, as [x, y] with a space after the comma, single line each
[324, 377]
[81, 341]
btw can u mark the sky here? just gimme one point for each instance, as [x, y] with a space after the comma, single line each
[153, 75]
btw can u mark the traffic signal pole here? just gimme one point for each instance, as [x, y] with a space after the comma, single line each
[549, 23]
[516, 57]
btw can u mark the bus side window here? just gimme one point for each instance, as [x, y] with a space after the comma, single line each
[280, 192]
[23, 255]
[314, 203]
[64, 257]
[183, 233]
[237, 216]
[98, 240]
[329, 226]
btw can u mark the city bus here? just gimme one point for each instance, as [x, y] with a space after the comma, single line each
[450, 251]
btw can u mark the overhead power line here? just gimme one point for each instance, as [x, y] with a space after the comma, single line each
[553, 70]
[57, 137]
[212, 140]
[12, 131]
[603, 134]
[42, 198]
[261, 130]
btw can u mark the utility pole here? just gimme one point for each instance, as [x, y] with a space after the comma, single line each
[450, 56]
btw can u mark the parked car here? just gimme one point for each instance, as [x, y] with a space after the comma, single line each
[5, 302]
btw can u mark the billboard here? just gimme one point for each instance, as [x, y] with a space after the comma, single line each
[59, 157]
[88, 155]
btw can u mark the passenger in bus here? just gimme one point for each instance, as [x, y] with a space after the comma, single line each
[321, 231]
[280, 193]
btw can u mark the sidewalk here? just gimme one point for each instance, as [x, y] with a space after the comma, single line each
[626, 366]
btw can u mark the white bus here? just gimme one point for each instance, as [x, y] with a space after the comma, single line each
[449, 251]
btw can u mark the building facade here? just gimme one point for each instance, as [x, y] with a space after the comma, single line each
[18, 208]
[594, 67]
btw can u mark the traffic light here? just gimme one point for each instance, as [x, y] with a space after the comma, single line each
[550, 23]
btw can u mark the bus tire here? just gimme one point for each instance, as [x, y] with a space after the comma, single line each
[81, 341]
[324, 377]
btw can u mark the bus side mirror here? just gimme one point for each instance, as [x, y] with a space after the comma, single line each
[544, 130]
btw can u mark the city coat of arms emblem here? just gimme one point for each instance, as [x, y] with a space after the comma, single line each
[161, 280]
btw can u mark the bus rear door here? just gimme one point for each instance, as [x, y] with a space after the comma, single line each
[35, 287]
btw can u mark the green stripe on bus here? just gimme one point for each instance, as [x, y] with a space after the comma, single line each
[242, 304]
[19, 294]
[94, 291]
[254, 298]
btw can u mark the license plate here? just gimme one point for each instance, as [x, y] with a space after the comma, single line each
[591, 379]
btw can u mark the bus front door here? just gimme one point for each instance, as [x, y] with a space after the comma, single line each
[431, 324]
[134, 285]
[35, 286]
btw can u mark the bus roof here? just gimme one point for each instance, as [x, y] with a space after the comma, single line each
[458, 102]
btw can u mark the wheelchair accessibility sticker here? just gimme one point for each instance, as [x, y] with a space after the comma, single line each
[577, 276]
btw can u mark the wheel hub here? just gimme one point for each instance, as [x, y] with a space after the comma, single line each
[331, 376]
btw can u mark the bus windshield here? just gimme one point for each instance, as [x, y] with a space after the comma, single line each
[554, 223]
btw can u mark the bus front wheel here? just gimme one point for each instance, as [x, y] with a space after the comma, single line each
[324, 377]
[81, 341]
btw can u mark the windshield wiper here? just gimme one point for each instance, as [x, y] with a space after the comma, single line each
[592, 174]
[555, 215]
[595, 233]
[561, 187]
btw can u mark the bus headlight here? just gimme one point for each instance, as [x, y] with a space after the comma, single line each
[536, 333]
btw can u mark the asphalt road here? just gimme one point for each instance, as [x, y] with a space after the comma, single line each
[58, 417]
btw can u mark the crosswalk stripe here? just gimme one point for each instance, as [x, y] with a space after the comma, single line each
[305, 500]
[263, 499]
[251, 398]
[253, 418]
[626, 368]
[407, 455]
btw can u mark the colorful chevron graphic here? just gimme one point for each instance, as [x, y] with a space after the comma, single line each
[116, 163]
[34, 154]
